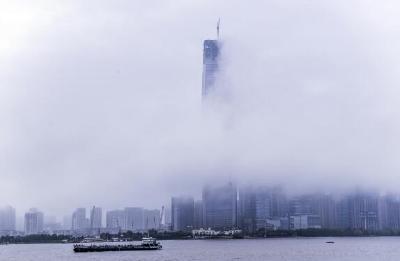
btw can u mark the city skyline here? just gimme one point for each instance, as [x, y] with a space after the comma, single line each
[250, 208]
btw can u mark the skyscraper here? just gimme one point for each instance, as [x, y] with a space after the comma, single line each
[198, 214]
[259, 204]
[182, 210]
[95, 218]
[151, 219]
[363, 209]
[211, 53]
[79, 221]
[33, 222]
[115, 219]
[7, 219]
[220, 206]
[134, 219]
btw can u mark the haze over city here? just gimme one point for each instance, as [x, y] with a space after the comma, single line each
[100, 103]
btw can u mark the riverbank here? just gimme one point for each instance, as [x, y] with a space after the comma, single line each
[130, 236]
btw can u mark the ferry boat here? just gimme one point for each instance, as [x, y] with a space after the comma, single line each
[148, 243]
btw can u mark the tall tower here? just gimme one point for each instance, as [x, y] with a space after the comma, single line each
[211, 53]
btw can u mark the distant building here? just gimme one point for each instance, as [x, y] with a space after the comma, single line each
[327, 211]
[96, 215]
[33, 222]
[363, 210]
[151, 219]
[277, 223]
[198, 214]
[389, 213]
[211, 53]
[168, 218]
[67, 222]
[134, 219]
[115, 219]
[257, 204]
[247, 209]
[304, 205]
[342, 217]
[79, 220]
[220, 206]
[182, 210]
[7, 220]
[305, 222]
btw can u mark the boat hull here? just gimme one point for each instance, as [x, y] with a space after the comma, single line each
[83, 248]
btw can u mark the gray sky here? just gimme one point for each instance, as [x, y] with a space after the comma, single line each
[100, 101]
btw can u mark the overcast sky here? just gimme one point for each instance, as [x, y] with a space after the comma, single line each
[100, 101]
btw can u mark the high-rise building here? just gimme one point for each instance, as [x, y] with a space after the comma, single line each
[168, 218]
[96, 218]
[33, 222]
[79, 220]
[363, 210]
[260, 206]
[247, 209]
[342, 217]
[327, 211]
[263, 207]
[211, 53]
[134, 219]
[220, 206]
[67, 222]
[358, 211]
[304, 205]
[7, 220]
[115, 219]
[182, 210]
[151, 219]
[198, 214]
[279, 202]
[389, 213]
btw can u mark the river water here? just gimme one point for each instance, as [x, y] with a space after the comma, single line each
[307, 249]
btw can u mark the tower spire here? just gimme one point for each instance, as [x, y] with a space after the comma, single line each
[218, 28]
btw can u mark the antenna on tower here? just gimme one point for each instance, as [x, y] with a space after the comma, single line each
[218, 28]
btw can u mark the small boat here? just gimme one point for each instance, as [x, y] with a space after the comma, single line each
[148, 243]
[330, 242]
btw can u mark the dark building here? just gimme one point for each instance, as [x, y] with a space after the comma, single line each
[342, 216]
[389, 213]
[279, 203]
[304, 205]
[359, 211]
[259, 204]
[247, 209]
[211, 53]
[327, 211]
[182, 210]
[198, 214]
[364, 212]
[220, 206]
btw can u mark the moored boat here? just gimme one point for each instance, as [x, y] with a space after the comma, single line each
[148, 243]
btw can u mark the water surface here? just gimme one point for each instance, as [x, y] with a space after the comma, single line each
[307, 249]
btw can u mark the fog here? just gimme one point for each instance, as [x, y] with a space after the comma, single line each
[100, 101]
